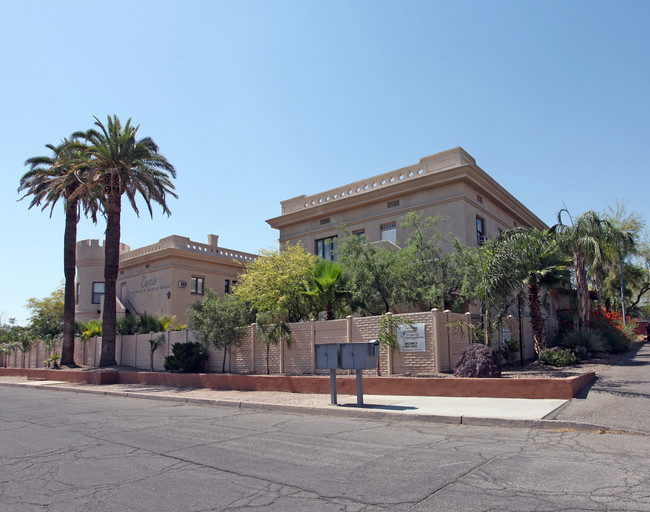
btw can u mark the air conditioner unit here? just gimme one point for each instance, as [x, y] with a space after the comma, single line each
[482, 239]
[182, 284]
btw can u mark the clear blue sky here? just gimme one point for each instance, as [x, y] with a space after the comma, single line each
[255, 102]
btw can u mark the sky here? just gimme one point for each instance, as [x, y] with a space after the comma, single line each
[255, 102]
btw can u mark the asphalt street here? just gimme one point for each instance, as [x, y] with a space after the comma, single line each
[65, 451]
[619, 398]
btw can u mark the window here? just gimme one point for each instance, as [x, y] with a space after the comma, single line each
[389, 232]
[76, 295]
[196, 285]
[393, 204]
[480, 230]
[361, 235]
[324, 221]
[98, 292]
[226, 288]
[326, 248]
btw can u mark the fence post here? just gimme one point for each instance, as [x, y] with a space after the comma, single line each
[253, 344]
[313, 345]
[435, 324]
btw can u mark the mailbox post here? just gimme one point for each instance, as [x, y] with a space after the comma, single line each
[347, 356]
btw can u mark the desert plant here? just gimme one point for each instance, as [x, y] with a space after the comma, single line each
[89, 329]
[562, 357]
[187, 357]
[155, 344]
[52, 360]
[585, 344]
[478, 360]
[509, 350]
[127, 325]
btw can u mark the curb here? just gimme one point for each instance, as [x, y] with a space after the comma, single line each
[351, 412]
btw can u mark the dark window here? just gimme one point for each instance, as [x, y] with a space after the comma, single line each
[361, 235]
[196, 285]
[326, 248]
[325, 221]
[393, 204]
[226, 288]
[480, 230]
[76, 294]
[98, 292]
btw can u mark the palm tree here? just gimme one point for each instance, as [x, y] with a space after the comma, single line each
[120, 164]
[324, 285]
[532, 258]
[50, 178]
[583, 240]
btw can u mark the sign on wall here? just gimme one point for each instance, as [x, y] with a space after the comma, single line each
[411, 338]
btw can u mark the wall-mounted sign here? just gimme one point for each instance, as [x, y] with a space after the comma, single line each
[411, 338]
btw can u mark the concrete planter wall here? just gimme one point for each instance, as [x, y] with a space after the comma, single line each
[564, 388]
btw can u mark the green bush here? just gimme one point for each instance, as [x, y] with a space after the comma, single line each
[619, 336]
[563, 357]
[126, 325]
[187, 358]
[585, 344]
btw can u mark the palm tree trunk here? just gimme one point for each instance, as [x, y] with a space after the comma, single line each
[536, 320]
[111, 265]
[69, 268]
[582, 288]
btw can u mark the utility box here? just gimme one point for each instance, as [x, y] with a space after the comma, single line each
[327, 356]
[359, 356]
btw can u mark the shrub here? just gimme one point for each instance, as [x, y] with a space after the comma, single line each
[562, 357]
[510, 350]
[585, 344]
[186, 357]
[126, 325]
[619, 336]
[478, 360]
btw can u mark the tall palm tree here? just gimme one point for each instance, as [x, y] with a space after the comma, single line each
[122, 165]
[532, 258]
[50, 178]
[583, 240]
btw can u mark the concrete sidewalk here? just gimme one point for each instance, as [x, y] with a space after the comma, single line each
[619, 400]
[474, 411]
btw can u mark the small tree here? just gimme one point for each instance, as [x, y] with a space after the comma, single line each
[155, 344]
[50, 342]
[272, 331]
[24, 341]
[219, 321]
[272, 282]
[6, 349]
[388, 325]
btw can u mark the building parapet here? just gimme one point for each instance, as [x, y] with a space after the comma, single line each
[427, 165]
[185, 244]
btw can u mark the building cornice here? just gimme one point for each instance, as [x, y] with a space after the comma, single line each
[443, 168]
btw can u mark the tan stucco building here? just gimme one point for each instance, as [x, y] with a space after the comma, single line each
[163, 279]
[449, 184]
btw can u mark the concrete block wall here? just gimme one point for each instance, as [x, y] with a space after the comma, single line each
[444, 343]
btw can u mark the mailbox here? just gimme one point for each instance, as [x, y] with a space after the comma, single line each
[327, 356]
[359, 356]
